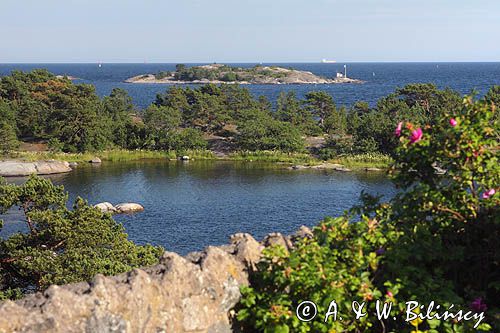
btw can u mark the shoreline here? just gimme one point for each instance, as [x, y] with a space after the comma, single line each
[291, 161]
[141, 80]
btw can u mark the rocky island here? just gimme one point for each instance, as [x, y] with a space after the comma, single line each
[219, 73]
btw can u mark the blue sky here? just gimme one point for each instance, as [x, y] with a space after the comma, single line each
[249, 30]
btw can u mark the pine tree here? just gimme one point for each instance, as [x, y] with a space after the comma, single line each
[8, 137]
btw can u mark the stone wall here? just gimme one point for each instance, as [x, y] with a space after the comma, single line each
[195, 293]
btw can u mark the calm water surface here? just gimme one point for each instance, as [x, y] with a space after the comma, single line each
[191, 205]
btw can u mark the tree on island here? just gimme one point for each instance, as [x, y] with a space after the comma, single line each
[289, 109]
[8, 136]
[320, 104]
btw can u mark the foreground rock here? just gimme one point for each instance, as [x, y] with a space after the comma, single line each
[20, 168]
[191, 294]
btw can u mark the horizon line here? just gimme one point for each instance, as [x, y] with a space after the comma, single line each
[246, 62]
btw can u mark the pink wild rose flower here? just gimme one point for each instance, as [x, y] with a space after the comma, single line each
[397, 131]
[416, 135]
[489, 193]
[453, 122]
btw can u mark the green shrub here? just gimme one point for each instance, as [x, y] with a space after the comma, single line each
[437, 240]
[269, 134]
[335, 146]
[229, 77]
[338, 263]
[62, 245]
[162, 74]
[188, 138]
[55, 146]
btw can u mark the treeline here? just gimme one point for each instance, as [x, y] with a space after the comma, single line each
[39, 106]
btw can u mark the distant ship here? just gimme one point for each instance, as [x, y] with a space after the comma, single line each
[324, 61]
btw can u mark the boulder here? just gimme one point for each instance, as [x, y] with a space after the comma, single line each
[95, 160]
[128, 208]
[105, 207]
[303, 232]
[185, 158]
[247, 250]
[73, 165]
[276, 238]
[20, 168]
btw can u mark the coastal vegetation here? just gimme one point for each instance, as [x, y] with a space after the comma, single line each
[436, 241]
[62, 245]
[74, 123]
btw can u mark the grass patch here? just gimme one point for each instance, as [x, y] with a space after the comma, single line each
[109, 155]
[198, 154]
[351, 161]
[271, 156]
[369, 160]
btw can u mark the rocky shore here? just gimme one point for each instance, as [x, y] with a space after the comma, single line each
[322, 166]
[69, 77]
[13, 168]
[195, 293]
[329, 166]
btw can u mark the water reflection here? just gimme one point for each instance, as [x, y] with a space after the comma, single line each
[194, 204]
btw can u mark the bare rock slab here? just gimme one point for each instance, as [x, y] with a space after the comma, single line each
[195, 294]
[21, 168]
